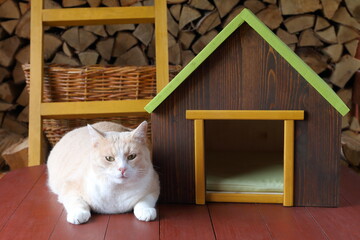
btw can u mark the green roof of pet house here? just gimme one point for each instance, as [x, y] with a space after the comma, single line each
[294, 60]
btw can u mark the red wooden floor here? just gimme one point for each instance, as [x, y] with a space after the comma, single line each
[29, 211]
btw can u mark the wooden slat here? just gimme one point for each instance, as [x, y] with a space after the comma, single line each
[339, 223]
[36, 216]
[92, 230]
[245, 114]
[92, 16]
[317, 168]
[200, 181]
[238, 221]
[289, 162]
[161, 43]
[185, 222]
[36, 76]
[128, 227]
[350, 193]
[92, 109]
[244, 198]
[14, 187]
[290, 223]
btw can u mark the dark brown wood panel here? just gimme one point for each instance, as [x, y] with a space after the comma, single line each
[173, 156]
[318, 157]
[185, 222]
[245, 73]
[238, 221]
[92, 230]
[290, 223]
[126, 226]
[36, 216]
[13, 189]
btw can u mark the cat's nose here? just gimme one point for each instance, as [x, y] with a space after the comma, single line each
[122, 170]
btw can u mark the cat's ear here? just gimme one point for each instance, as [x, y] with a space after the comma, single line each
[140, 132]
[95, 134]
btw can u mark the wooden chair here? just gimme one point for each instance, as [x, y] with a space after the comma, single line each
[87, 16]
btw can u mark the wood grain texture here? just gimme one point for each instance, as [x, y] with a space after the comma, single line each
[200, 180]
[245, 73]
[244, 198]
[185, 222]
[238, 222]
[329, 219]
[96, 16]
[245, 115]
[161, 44]
[11, 196]
[93, 230]
[36, 76]
[36, 216]
[350, 190]
[317, 154]
[126, 226]
[58, 110]
[289, 163]
[290, 223]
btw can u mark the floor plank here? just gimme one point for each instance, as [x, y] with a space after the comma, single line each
[185, 222]
[29, 211]
[93, 230]
[36, 216]
[238, 221]
[350, 185]
[126, 226]
[10, 196]
[294, 223]
[339, 223]
[342, 222]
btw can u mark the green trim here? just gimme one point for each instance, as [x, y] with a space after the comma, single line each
[193, 64]
[294, 60]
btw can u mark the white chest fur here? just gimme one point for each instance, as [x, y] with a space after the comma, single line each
[108, 197]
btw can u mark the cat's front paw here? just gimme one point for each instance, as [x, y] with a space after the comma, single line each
[145, 214]
[78, 216]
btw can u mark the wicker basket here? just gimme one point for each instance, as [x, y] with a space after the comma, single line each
[95, 83]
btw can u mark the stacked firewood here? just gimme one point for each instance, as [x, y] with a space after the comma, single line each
[350, 137]
[14, 41]
[324, 33]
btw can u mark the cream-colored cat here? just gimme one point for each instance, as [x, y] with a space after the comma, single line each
[105, 168]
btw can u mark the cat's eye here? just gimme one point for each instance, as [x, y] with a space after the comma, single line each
[110, 158]
[131, 157]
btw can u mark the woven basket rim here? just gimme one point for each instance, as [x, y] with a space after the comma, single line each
[27, 66]
[66, 83]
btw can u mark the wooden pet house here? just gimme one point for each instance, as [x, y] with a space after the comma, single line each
[247, 121]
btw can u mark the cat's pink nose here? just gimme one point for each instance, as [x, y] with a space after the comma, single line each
[122, 170]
